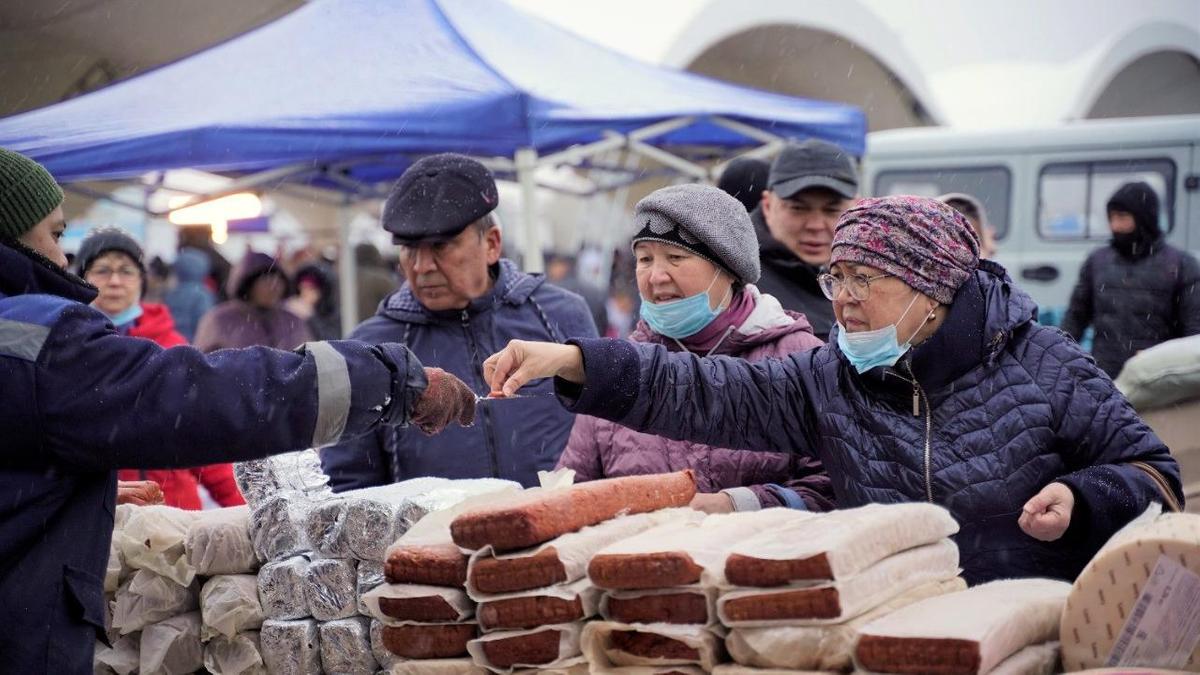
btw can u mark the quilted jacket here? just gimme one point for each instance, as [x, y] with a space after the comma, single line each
[602, 449]
[978, 418]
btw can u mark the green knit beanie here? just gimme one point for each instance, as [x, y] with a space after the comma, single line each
[28, 194]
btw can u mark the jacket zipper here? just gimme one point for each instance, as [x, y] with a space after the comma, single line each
[918, 397]
[477, 370]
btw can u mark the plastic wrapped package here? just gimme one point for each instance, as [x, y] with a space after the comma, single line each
[608, 645]
[374, 516]
[324, 527]
[383, 656]
[277, 527]
[346, 646]
[218, 542]
[370, 575]
[545, 647]
[147, 598]
[291, 647]
[116, 571]
[330, 586]
[281, 588]
[121, 658]
[152, 538]
[229, 605]
[450, 496]
[297, 473]
[172, 647]
[237, 655]
[396, 604]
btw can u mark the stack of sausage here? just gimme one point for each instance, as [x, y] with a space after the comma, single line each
[661, 589]
[796, 594]
[528, 557]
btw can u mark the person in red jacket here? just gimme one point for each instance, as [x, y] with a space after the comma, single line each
[112, 261]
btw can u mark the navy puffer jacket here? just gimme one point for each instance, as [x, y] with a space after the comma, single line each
[978, 418]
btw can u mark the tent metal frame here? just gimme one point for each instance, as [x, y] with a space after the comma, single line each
[523, 166]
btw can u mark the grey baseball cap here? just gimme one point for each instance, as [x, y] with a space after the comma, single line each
[813, 164]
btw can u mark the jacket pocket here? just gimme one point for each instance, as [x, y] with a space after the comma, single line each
[76, 623]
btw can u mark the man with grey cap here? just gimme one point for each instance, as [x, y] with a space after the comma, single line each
[811, 184]
[461, 301]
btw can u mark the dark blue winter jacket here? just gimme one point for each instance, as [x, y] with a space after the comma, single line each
[979, 418]
[510, 439]
[77, 401]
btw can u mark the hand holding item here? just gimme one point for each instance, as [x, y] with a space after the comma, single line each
[1047, 515]
[717, 502]
[521, 361]
[446, 399]
[139, 492]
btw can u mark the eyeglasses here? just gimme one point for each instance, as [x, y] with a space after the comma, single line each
[858, 285]
[107, 272]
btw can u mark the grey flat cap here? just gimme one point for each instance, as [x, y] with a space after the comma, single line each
[704, 220]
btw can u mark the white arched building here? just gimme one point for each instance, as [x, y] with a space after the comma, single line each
[909, 62]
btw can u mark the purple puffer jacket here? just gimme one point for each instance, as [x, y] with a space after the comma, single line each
[602, 449]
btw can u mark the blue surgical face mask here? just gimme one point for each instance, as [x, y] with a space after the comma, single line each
[873, 348]
[681, 318]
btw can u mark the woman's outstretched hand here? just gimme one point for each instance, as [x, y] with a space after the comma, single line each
[514, 366]
[1047, 515]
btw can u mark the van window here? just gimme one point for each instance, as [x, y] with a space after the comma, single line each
[1073, 197]
[989, 184]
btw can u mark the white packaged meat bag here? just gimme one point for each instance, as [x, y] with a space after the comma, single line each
[229, 605]
[147, 598]
[281, 588]
[172, 647]
[545, 647]
[400, 604]
[291, 647]
[346, 646]
[837, 545]
[558, 604]
[153, 537]
[238, 655]
[122, 657]
[218, 542]
[330, 587]
[607, 645]
[969, 631]
[829, 602]
[560, 561]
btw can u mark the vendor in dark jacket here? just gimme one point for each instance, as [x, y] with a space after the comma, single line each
[78, 400]
[809, 187]
[938, 386]
[1139, 290]
[460, 302]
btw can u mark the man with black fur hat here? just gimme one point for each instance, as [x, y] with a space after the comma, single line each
[460, 302]
[1139, 290]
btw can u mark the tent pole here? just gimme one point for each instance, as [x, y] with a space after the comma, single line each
[347, 269]
[527, 161]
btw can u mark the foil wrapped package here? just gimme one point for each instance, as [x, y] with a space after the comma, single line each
[331, 588]
[291, 647]
[281, 589]
[346, 646]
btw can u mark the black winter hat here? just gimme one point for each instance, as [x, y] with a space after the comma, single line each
[745, 179]
[105, 240]
[1141, 200]
[437, 198]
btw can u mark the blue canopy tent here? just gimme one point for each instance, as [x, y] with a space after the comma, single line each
[344, 93]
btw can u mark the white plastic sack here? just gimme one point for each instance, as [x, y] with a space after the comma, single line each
[346, 646]
[1162, 375]
[172, 647]
[148, 598]
[116, 571]
[238, 655]
[229, 605]
[218, 542]
[121, 657]
[281, 589]
[291, 647]
[330, 587]
[153, 539]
